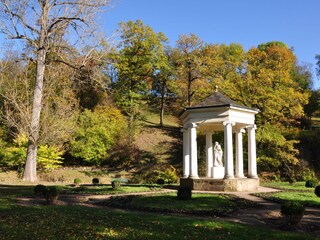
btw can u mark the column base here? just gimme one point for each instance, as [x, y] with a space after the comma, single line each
[194, 177]
[240, 176]
[228, 177]
[253, 176]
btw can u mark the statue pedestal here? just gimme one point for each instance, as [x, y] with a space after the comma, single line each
[217, 172]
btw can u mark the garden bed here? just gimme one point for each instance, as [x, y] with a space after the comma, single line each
[200, 204]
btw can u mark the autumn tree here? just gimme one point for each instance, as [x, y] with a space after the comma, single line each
[140, 55]
[188, 64]
[44, 25]
[269, 86]
[161, 84]
[224, 66]
[318, 64]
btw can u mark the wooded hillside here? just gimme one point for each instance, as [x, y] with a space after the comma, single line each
[118, 106]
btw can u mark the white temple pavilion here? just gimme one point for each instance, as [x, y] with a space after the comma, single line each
[214, 114]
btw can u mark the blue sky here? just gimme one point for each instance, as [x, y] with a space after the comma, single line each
[248, 22]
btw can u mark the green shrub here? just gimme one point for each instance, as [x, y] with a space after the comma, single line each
[77, 181]
[317, 190]
[14, 155]
[292, 212]
[49, 157]
[97, 133]
[51, 195]
[169, 175]
[95, 181]
[184, 193]
[39, 190]
[311, 183]
[292, 181]
[116, 184]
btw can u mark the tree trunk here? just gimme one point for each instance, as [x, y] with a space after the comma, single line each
[189, 88]
[161, 116]
[30, 171]
[162, 103]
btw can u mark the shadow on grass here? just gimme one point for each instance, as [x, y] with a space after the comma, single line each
[74, 222]
[200, 204]
[16, 190]
[79, 222]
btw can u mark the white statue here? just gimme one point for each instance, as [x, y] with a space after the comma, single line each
[217, 155]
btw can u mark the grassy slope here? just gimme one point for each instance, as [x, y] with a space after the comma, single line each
[158, 146]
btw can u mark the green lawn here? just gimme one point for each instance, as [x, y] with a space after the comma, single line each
[295, 192]
[198, 202]
[79, 222]
[288, 186]
[75, 222]
[107, 189]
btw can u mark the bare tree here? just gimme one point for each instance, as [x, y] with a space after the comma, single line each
[45, 25]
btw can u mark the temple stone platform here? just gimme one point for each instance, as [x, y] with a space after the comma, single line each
[223, 185]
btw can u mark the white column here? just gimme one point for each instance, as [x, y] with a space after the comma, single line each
[193, 151]
[252, 155]
[209, 153]
[239, 154]
[186, 152]
[228, 151]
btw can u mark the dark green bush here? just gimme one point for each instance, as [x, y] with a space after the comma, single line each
[311, 183]
[317, 190]
[51, 195]
[77, 181]
[160, 181]
[292, 212]
[39, 190]
[116, 184]
[184, 193]
[95, 181]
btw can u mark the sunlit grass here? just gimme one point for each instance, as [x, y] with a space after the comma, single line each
[288, 186]
[79, 222]
[74, 222]
[292, 192]
[306, 198]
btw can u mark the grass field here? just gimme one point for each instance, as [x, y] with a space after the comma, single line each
[107, 189]
[80, 222]
[289, 186]
[293, 192]
[198, 202]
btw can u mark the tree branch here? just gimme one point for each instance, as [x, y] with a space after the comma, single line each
[63, 19]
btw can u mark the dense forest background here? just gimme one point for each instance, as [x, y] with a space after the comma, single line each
[117, 106]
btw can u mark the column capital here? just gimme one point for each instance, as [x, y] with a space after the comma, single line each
[191, 125]
[253, 126]
[228, 123]
[241, 130]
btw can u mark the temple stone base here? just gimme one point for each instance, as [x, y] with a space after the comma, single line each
[217, 172]
[224, 185]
